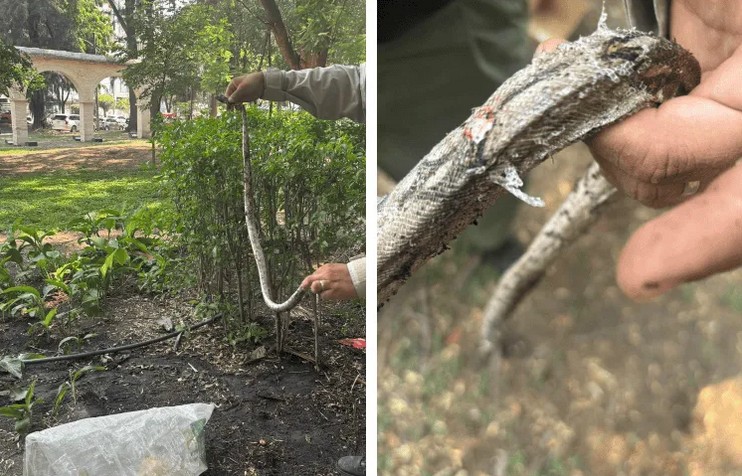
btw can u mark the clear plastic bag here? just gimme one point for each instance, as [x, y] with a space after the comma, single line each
[156, 442]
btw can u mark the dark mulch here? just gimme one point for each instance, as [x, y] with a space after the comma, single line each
[274, 416]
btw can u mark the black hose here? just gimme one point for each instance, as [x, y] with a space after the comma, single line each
[113, 350]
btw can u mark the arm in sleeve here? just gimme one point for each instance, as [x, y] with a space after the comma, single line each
[326, 93]
[357, 270]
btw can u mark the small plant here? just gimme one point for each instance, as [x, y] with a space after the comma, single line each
[28, 301]
[250, 332]
[69, 343]
[22, 412]
[9, 253]
[70, 385]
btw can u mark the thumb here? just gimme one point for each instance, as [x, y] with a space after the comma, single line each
[696, 239]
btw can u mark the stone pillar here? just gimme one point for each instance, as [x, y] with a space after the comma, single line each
[143, 117]
[18, 108]
[87, 120]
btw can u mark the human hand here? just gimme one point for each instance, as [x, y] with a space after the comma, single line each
[331, 281]
[654, 155]
[246, 88]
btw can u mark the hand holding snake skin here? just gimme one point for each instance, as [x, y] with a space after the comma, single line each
[557, 100]
[654, 154]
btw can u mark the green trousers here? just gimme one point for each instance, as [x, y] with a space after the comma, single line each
[432, 76]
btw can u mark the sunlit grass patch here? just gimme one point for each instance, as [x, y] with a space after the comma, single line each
[52, 200]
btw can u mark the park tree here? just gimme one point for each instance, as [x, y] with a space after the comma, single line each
[183, 51]
[15, 69]
[105, 102]
[306, 31]
[126, 12]
[36, 23]
[70, 25]
[58, 89]
[293, 34]
[92, 30]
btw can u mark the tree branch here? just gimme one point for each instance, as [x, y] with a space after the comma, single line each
[281, 34]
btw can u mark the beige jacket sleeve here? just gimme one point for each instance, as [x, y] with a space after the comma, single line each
[326, 93]
[357, 270]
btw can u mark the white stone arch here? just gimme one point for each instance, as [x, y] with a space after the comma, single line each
[85, 72]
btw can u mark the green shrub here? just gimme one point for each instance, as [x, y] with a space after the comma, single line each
[309, 188]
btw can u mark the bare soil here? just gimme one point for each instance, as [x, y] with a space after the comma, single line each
[275, 416]
[590, 384]
[90, 157]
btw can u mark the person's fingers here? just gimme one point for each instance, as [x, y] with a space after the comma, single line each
[318, 286]
[648, 194]
[246, 88]
[675, 189]
[682, 138]
[331, 281]
[698, 238]
[232, 87]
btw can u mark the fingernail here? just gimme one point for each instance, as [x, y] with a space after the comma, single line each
[649, 291]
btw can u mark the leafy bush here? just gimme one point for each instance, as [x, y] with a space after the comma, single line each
[309, 188]
[116, 247]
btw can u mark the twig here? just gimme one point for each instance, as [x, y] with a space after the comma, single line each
[271, 397]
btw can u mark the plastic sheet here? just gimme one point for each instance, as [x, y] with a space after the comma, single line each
[156, 442]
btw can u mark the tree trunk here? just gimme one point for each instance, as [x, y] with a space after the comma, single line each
[132, 111]
[38, 108]
[213, 109]
[314, 59]
[281, 34]
[131, 47]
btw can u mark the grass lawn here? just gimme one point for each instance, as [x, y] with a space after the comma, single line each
[51, 200]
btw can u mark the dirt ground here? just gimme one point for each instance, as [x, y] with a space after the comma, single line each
[590, 384]
[274, 416]
[49, 139]
[90, 157]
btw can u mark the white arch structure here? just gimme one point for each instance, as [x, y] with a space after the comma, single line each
[85, 72]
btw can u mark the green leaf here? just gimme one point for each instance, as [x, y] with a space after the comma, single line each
[13, 411]
[108, 264]
[14, 255]
[12, 365]
[18, 394]
[49, 317]
[59, 285]
[29, 394]
[99, 242]
[120, 256]
[23, 425]
[63, 343]
[23, 289]
[61, 393]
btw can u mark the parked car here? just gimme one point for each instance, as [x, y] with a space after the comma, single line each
[110, 124]
[66, 122]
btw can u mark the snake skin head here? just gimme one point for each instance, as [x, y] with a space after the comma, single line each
[665, 68]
